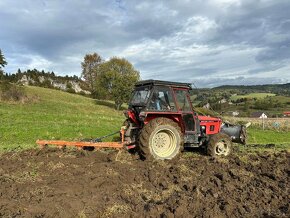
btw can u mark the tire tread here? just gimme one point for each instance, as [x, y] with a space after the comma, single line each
[149, 128]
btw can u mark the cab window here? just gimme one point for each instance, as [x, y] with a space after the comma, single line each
[182, 100]
[161, 99]
[140, 96]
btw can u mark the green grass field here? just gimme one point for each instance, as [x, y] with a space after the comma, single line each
[55, 115]
[60, 115]
[259, 136]
[252, 95]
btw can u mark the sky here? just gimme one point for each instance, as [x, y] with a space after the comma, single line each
[205, 42]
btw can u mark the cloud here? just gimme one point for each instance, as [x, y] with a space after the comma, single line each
[210, 42]
[240, 80]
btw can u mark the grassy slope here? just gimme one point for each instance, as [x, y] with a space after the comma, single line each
[60, 115]
[57, 115]
[252, 95]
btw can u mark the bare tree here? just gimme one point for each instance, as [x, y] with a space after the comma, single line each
[90, 70]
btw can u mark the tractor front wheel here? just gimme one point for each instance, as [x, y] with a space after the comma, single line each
[160, 139]
[219, 145]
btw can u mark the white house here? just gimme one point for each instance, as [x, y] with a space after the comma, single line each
[259, 114]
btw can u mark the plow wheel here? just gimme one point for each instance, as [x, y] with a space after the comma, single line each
[219, 145]
[161, 139]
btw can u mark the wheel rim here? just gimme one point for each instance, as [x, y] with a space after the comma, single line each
[222, 148]
[164, 143]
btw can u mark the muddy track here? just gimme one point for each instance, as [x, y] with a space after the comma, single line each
[54, 183]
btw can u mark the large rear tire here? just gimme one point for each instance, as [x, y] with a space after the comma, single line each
[219, 145]
[160, 139]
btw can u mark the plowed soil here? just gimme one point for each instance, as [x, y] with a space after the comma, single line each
[55, 183]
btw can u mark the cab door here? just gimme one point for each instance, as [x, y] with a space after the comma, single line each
[184, 106]
[190, 122]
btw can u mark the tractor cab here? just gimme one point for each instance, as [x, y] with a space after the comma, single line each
[153, 95]
[153, 98]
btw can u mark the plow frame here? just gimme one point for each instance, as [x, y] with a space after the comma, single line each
[82, 144]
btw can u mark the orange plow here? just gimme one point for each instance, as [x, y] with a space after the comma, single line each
[62, 144]
[84, 144]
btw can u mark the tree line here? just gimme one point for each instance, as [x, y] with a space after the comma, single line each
[35, 75]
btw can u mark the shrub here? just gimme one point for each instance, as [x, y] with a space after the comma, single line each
[11, 92]
[70, 90]
[82, 93]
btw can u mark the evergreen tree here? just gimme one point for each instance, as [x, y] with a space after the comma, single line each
[3, 62]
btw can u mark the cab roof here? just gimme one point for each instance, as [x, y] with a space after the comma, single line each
[163, 83]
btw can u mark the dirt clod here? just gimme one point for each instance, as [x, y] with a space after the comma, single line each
[56, 183]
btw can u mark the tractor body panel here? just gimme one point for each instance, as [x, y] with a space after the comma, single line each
[212, 125]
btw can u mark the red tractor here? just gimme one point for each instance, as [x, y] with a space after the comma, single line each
[161, 122]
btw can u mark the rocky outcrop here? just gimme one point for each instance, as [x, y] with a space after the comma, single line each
[26, 80]
[42, 81]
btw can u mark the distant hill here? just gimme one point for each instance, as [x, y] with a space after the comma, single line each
[72, 84]
[272, 99]
[279, 89]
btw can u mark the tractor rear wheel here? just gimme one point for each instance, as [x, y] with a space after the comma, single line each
[219, 145]
[160, 139]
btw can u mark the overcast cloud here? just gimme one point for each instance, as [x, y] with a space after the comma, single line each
[210, 43]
